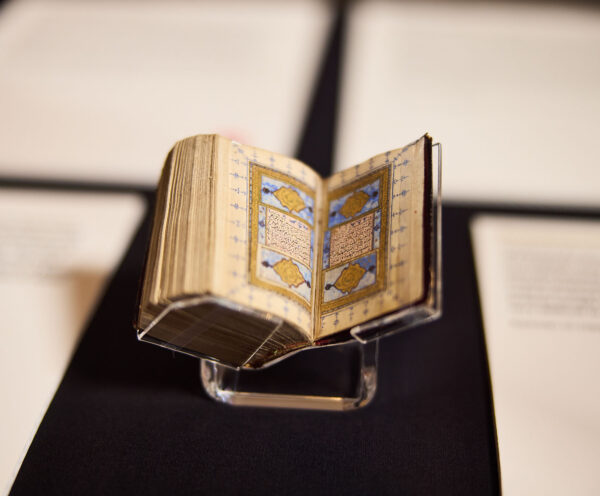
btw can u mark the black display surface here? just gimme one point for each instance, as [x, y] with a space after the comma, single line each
[130, 418]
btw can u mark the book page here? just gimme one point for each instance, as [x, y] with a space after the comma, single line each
[372, 251]
[104, 89]
[57, 252]
[529, 70]
[539, 285]
[266, 233]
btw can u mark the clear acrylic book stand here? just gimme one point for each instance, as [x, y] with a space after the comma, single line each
[340, 377]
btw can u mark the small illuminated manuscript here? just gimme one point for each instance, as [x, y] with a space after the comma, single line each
[253, 255]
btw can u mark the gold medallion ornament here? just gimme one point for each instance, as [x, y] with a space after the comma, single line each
[289, 272]
[354, 204]
[349, 278]
[290, 199]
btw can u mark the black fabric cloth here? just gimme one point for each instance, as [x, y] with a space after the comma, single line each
[132, 418]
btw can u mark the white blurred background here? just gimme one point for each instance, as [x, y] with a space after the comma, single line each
[102, 90]
[511, 90]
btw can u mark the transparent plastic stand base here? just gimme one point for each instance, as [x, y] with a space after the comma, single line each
[340, 377]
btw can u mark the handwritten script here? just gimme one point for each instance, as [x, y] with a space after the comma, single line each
[288, 236]
[351, 240]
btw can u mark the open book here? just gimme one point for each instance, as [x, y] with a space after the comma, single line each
[253, 255]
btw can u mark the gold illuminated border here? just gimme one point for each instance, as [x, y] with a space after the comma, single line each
[255, 174]
[383, 176]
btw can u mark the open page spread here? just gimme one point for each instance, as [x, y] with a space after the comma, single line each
[366, 221]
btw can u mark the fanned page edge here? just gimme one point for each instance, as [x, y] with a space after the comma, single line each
[404, 281]
[159, 288]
